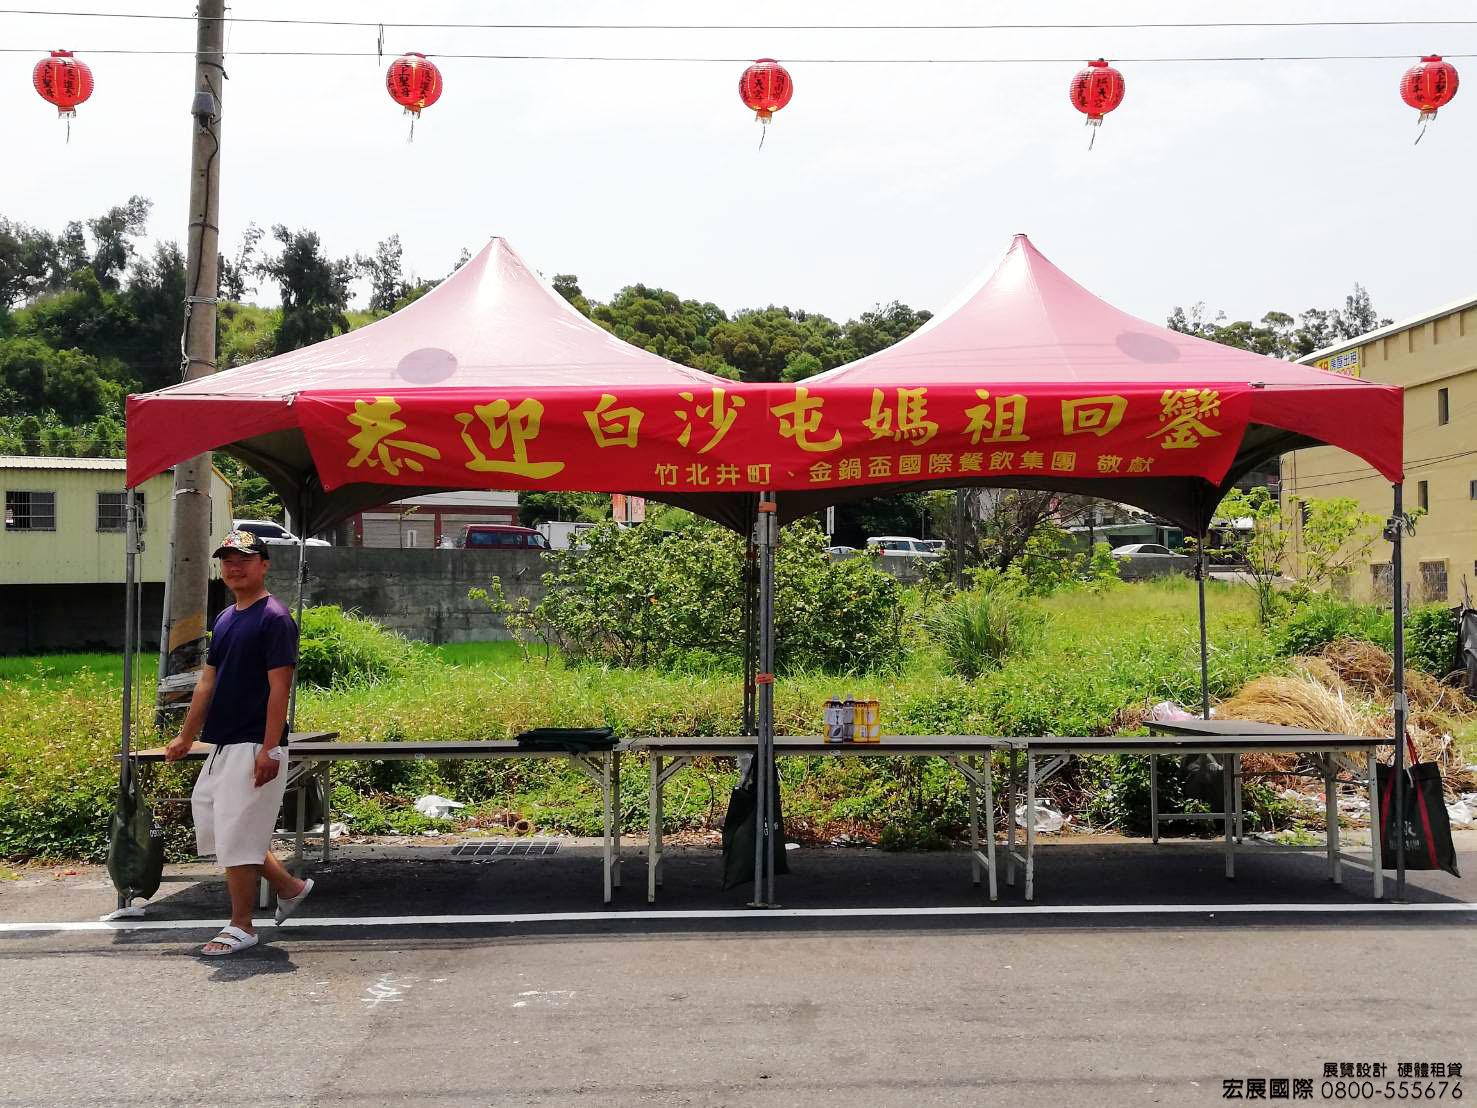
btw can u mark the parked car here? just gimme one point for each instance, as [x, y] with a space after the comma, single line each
[842, 551]
[900, 546]
[273, 534]
[501, 536]
[1145, 550]
[938, 546]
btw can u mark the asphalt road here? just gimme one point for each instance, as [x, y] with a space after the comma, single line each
[1137, 1004]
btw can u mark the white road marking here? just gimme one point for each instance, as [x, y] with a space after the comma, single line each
[959, 911]
[387, 990]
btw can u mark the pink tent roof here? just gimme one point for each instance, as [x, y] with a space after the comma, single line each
[1029, 381]
[1028, 325]
[492, 324]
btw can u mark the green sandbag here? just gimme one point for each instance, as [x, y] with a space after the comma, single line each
[135, 845]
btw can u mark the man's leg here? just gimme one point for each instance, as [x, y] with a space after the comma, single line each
[284, 884]
[241, 883]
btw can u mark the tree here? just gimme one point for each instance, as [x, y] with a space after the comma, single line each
[1279, 335]
[113, 233]
[315, 289]
[387, 284]
[567, 285]
[236, 272]
[28, 262]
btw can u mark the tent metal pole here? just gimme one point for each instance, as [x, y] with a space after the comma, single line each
[959, 516]
[302, 583]
[1396, 534]
[758, 765]
[768, 510]
[130, 620]
[751, 646]
[1204, 638]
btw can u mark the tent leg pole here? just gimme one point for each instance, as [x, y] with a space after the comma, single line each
[751, 647]
[959, 516]
[771, 779]
[130, 619]
[302, 584]
[1204, 637]
[757, 769]
[1396, 534]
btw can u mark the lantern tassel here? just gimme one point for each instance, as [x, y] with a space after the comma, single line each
[763, 132]
[1422, 133]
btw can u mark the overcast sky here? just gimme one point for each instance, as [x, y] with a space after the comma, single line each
[1248, 185]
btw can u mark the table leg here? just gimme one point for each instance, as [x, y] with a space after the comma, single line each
[990, 824]
[615, 772]
[1154, 798]
[1030, 825]
[974, 819]
[1228, 814]
[1239, 792]
[605, 805]
[1331, 818]
[304, 778]
[327, 808]
[1010, 819]
[654, 831]
[1376, 860]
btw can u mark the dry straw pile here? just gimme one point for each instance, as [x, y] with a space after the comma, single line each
[1347, 690]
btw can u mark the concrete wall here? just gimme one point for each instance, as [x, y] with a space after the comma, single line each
[50, 619]
[420, 593]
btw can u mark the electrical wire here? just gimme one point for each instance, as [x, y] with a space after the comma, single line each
[648, 59]
[1209, 25]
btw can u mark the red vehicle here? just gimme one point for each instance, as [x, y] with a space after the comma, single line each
[502, 536]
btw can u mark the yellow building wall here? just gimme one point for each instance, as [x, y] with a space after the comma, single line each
[77, 552]
[1431, 356]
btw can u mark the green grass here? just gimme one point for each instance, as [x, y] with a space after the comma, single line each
[471, 654]
[1101, 654]
[54, 669]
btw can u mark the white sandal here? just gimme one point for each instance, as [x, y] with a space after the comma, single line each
[233, 939]
[286, 905]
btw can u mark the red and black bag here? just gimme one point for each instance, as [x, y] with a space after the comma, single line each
[1428, 843]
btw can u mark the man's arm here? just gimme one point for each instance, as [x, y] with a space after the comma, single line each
[279, 684]
[179, 746]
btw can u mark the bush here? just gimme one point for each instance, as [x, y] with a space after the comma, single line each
[1431, 641]
[640, 597]
[344, 648]
[979, 629]
[1323, 618]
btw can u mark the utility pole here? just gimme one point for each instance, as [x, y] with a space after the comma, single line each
[182, 637]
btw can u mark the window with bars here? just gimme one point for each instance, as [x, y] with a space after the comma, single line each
[112, 511]
[30, 511]
[1433, 582]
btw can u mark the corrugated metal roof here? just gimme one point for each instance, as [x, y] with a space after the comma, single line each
[1390, 329]
[19, 461]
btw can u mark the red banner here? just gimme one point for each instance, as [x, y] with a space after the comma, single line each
[769, 437]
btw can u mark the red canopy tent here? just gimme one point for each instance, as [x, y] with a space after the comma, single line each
[1029, 381]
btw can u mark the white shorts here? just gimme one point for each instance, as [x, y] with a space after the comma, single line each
[234, 819]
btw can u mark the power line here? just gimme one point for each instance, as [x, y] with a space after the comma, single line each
[1210, 25]
[747, 59]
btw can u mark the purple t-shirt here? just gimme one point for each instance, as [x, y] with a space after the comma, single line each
[244, 645]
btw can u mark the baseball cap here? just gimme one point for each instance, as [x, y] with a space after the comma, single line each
[243, 542]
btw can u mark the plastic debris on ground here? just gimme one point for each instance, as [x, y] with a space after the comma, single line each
[1463, 810]
[1048, 819]
[437, 807]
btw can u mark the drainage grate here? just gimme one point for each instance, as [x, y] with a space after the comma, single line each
[505, 848]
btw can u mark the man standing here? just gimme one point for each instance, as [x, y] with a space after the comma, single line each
[241, 704]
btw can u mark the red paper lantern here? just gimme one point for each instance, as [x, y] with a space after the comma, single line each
[765, 88]
[1429, 85]
[414, 82]
[62, 80]
[1097, 90]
